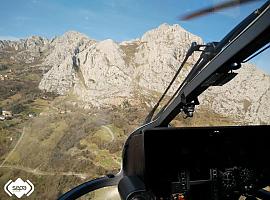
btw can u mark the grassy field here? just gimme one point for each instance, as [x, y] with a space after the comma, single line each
[64, 139]
[65, 145]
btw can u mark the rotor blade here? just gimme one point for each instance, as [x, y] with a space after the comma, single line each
[215, 8]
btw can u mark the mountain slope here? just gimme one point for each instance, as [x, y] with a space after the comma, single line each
[105, 72]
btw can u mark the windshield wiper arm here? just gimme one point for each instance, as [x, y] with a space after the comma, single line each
[194, 47]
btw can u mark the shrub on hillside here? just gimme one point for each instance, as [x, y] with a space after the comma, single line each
[3, 67]
[18, 108]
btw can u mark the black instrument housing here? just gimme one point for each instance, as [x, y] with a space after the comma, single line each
[202, 162]
[168, 151]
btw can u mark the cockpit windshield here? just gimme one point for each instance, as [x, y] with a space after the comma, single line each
[79, 79]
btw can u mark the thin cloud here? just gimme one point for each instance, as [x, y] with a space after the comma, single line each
[35, 1]
[110, 4]
[87, 14]
[262, 61]
[8, 37]
[22, 18]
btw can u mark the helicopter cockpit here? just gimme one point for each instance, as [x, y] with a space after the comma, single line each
[162, 162]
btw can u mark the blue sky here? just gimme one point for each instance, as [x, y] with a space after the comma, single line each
[116, 19]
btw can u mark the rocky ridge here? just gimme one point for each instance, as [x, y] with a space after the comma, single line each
[25, 50]
[106, 69]
[106, 72]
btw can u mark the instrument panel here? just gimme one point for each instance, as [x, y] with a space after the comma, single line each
[206, 162]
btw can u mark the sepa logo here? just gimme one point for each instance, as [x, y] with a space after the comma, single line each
[19, 188]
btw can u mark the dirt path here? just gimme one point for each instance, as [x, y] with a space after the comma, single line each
[44, 173]
[10, 153]
[110, 132]
[36, 171]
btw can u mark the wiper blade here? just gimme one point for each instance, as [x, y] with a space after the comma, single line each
[207, 54]
[194, 47]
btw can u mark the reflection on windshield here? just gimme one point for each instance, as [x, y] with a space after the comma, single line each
[108, 193]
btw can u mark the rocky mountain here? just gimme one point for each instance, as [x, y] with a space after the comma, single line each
[106, 72]
[98, 71]
[25, 50]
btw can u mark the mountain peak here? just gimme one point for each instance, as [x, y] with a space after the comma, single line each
[170, 33]
[70, 37]
[100, 72]
[173, 27]
[65, 46]
[74, 34]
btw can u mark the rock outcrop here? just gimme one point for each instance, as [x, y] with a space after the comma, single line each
[245, 98]
[66, 46]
